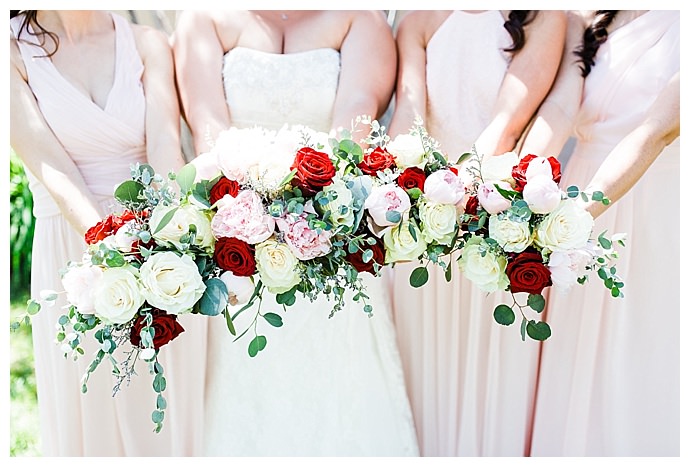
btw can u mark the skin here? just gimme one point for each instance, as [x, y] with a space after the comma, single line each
[202, 38]
[88, 37]
[527, 81]
[635, 153]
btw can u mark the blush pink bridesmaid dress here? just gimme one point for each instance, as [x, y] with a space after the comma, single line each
[102, 142]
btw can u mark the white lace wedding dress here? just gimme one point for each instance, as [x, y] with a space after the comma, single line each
[321, 387]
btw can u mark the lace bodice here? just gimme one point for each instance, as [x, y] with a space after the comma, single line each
[270, 89]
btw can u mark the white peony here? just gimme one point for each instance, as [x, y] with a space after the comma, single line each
[484, 268]
[567, 266]
[512, 236]
[541, 194]
[118, 295]
[408, 151]
[240, 289]
[565, 228]
[400, 245]
[79, 284]
[170, 282]
[439, 222]
[277, 266]
[385, 198]
[443, 186]
[491, 200]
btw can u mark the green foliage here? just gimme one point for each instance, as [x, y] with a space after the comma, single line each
[22, 224]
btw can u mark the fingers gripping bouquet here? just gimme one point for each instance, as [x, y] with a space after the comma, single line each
[287, 210]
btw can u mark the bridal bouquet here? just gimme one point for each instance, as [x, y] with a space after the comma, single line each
[287, 209]
[141, 269]
[504, 220]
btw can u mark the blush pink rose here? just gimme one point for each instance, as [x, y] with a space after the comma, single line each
[444, 187]
[243, 217]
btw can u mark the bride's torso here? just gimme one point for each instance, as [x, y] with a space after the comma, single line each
[273, 89]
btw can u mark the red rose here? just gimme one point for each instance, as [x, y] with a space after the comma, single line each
[314, 171]
[224, 186]
[379, 257]
[453, 169]
[520, 170]
[377, 160]
[412, 177]
[165, 326]
[232, 254]
[527, 273]
[108, 226]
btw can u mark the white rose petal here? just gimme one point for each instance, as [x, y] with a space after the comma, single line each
[408, 151]
[512, 236]
[499, 168]
[171, 283]
[277, 266]
[400, 245]
[439, 222]
[567, 227]
[118, 295]
[484, 268]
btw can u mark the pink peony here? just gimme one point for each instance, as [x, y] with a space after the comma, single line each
[444, 187]
[490, 199]
[304, 242]
[385, 198]
[243, 217]
[541, 193]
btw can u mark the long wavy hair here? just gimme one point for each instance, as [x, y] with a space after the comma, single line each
[595, 34]
[515, 25]
[30, 18]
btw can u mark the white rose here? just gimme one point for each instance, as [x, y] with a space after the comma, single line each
[499, 168]
[240, 289]
[567, 266]
[439, 222]
[79, 283]
[512, 236]
[443, 186]
[408, 151]
[491, 200]
[277, 266]
[385, 198]
[541, 194]
[125, 237]
[170, 282]
[484, 268]
[178, 226]
[341, 206]
[118, 295]
[400, 245]
[565, 228]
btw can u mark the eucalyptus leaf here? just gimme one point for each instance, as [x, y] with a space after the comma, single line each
[538, 330]
[504, 315]
[34, 307]
[419, 277]
[165, 220]
[523, 328]
[215, 297]
[273, 319]
[129, 191]
[393, 216]
[536, 302]
[185, 178]
[257, 345]
[572, 191]
[229, 323]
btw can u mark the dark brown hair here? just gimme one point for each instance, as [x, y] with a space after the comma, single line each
[595, 35]
[517, 20]
[38, 30]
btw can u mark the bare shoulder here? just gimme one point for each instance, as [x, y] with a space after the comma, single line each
[150, 41]
[16, 60]
[421, 24]
[549, 19]
[226, 24]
